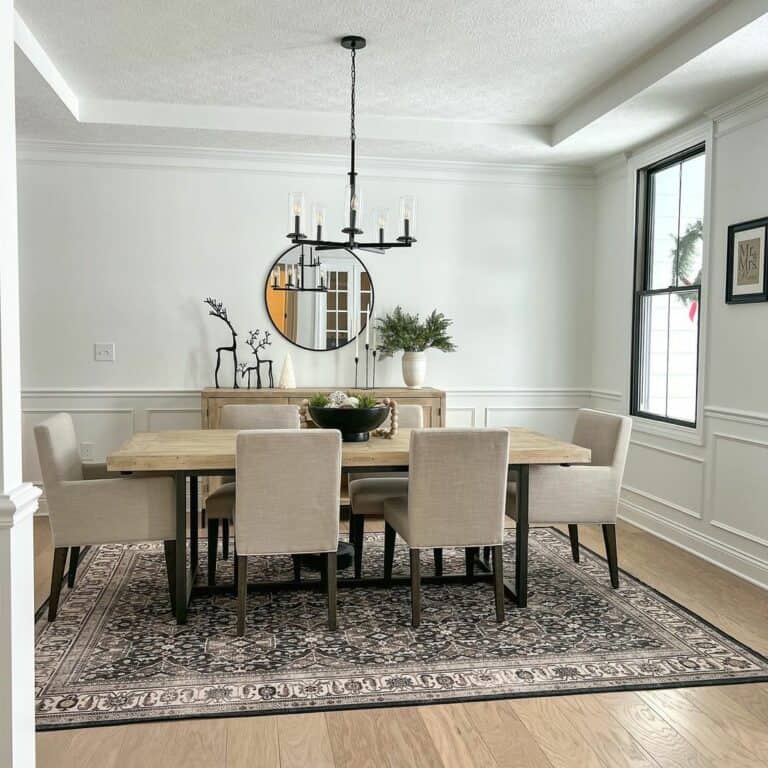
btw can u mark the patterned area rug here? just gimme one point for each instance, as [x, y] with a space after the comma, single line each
[116, 655]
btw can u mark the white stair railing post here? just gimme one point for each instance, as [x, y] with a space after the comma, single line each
[18, 501]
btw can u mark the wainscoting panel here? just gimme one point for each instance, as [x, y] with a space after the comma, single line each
[105, 417]
[665, 478]
[103, 427]
[159, 419]
[460, 417]
[740, 486]
[710, 499]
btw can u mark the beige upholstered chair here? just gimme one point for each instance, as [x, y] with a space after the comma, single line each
[220, 505]
[88, 506]
[456, 495]
[583, 494]
[368, 492]
[287, 501]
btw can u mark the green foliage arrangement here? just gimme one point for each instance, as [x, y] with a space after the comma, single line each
[364, 400]
[401, 331]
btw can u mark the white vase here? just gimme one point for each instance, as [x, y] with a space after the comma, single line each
[414, 369]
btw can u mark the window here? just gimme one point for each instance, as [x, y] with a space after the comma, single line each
[336, 314]
[667, 307]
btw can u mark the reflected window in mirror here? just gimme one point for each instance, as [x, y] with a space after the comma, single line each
[333, 307]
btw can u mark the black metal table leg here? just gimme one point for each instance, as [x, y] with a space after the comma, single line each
[193, 524]
[519, 591]
[521, 538]
[181, 547]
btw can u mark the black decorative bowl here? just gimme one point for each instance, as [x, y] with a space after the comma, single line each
[355, 424]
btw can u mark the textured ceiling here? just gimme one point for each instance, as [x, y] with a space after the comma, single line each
[513, 62]
[495, 60]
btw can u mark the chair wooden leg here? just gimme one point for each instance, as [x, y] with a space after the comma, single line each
[242, 592]
[487, 554]
[225, 539]
[415, 588]
[213, 549]
[389, 552]
[573, 533]
[330, 582]
[296, 567]
[59, 561]
[74, 558]
[356, 537]
[609, 537]
[469, 556]
[498, 581]
[438, 561]
[169, 547]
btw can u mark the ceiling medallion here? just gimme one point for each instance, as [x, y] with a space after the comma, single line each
[353, 200]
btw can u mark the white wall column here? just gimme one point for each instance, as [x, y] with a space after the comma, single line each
[18, 501]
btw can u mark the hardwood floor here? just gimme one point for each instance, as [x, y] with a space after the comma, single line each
[726, 726]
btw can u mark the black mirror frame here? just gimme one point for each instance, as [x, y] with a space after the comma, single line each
[291, 341]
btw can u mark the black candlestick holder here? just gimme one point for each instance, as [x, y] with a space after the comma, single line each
[373, 377]
[370, 368]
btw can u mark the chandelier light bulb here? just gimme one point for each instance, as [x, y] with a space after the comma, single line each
[296, 209]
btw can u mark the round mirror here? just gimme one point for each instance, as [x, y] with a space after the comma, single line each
[318, 300]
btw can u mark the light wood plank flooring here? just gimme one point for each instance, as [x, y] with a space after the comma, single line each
[722, 727]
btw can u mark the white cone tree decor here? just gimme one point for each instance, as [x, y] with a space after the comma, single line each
[287, 376]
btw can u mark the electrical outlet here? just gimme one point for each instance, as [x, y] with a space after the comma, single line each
[104, 353]
[86, 451]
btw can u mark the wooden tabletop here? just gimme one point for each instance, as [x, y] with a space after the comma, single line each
[209, 449]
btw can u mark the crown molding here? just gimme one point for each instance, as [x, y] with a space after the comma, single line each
[671, 142]
[293, 163]
[743, 110]
[612, 167]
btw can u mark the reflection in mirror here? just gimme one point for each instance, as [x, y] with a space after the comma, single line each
[318, 300]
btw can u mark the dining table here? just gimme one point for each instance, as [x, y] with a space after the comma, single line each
[189, 454]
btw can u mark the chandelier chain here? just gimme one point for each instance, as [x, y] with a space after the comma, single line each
[352, 110]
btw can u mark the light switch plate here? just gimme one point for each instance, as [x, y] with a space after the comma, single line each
[104, 353]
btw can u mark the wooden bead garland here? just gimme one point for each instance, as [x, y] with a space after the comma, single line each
[393, 420]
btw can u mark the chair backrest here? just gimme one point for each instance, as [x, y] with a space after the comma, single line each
[260, 417]
[606, 435]
[457, 487]
[287, 497]
[410, 416]
[58, 451]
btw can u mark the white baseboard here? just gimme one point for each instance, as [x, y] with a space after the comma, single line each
[738, 562]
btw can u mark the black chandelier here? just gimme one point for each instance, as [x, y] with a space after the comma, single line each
[352, 202]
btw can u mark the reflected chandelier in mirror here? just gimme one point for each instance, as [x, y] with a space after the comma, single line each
[318, 301]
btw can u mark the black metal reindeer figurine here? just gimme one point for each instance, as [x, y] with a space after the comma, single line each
[219, 310]
[256, 345]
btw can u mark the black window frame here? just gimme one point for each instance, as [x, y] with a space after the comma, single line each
[642, 279]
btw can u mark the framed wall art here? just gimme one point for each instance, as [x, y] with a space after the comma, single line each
[747, 277]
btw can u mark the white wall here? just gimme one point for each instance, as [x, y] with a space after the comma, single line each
[704, 490]
[121, 245]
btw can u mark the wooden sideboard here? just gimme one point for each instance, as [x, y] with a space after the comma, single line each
[431, 400]
[213, 400]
